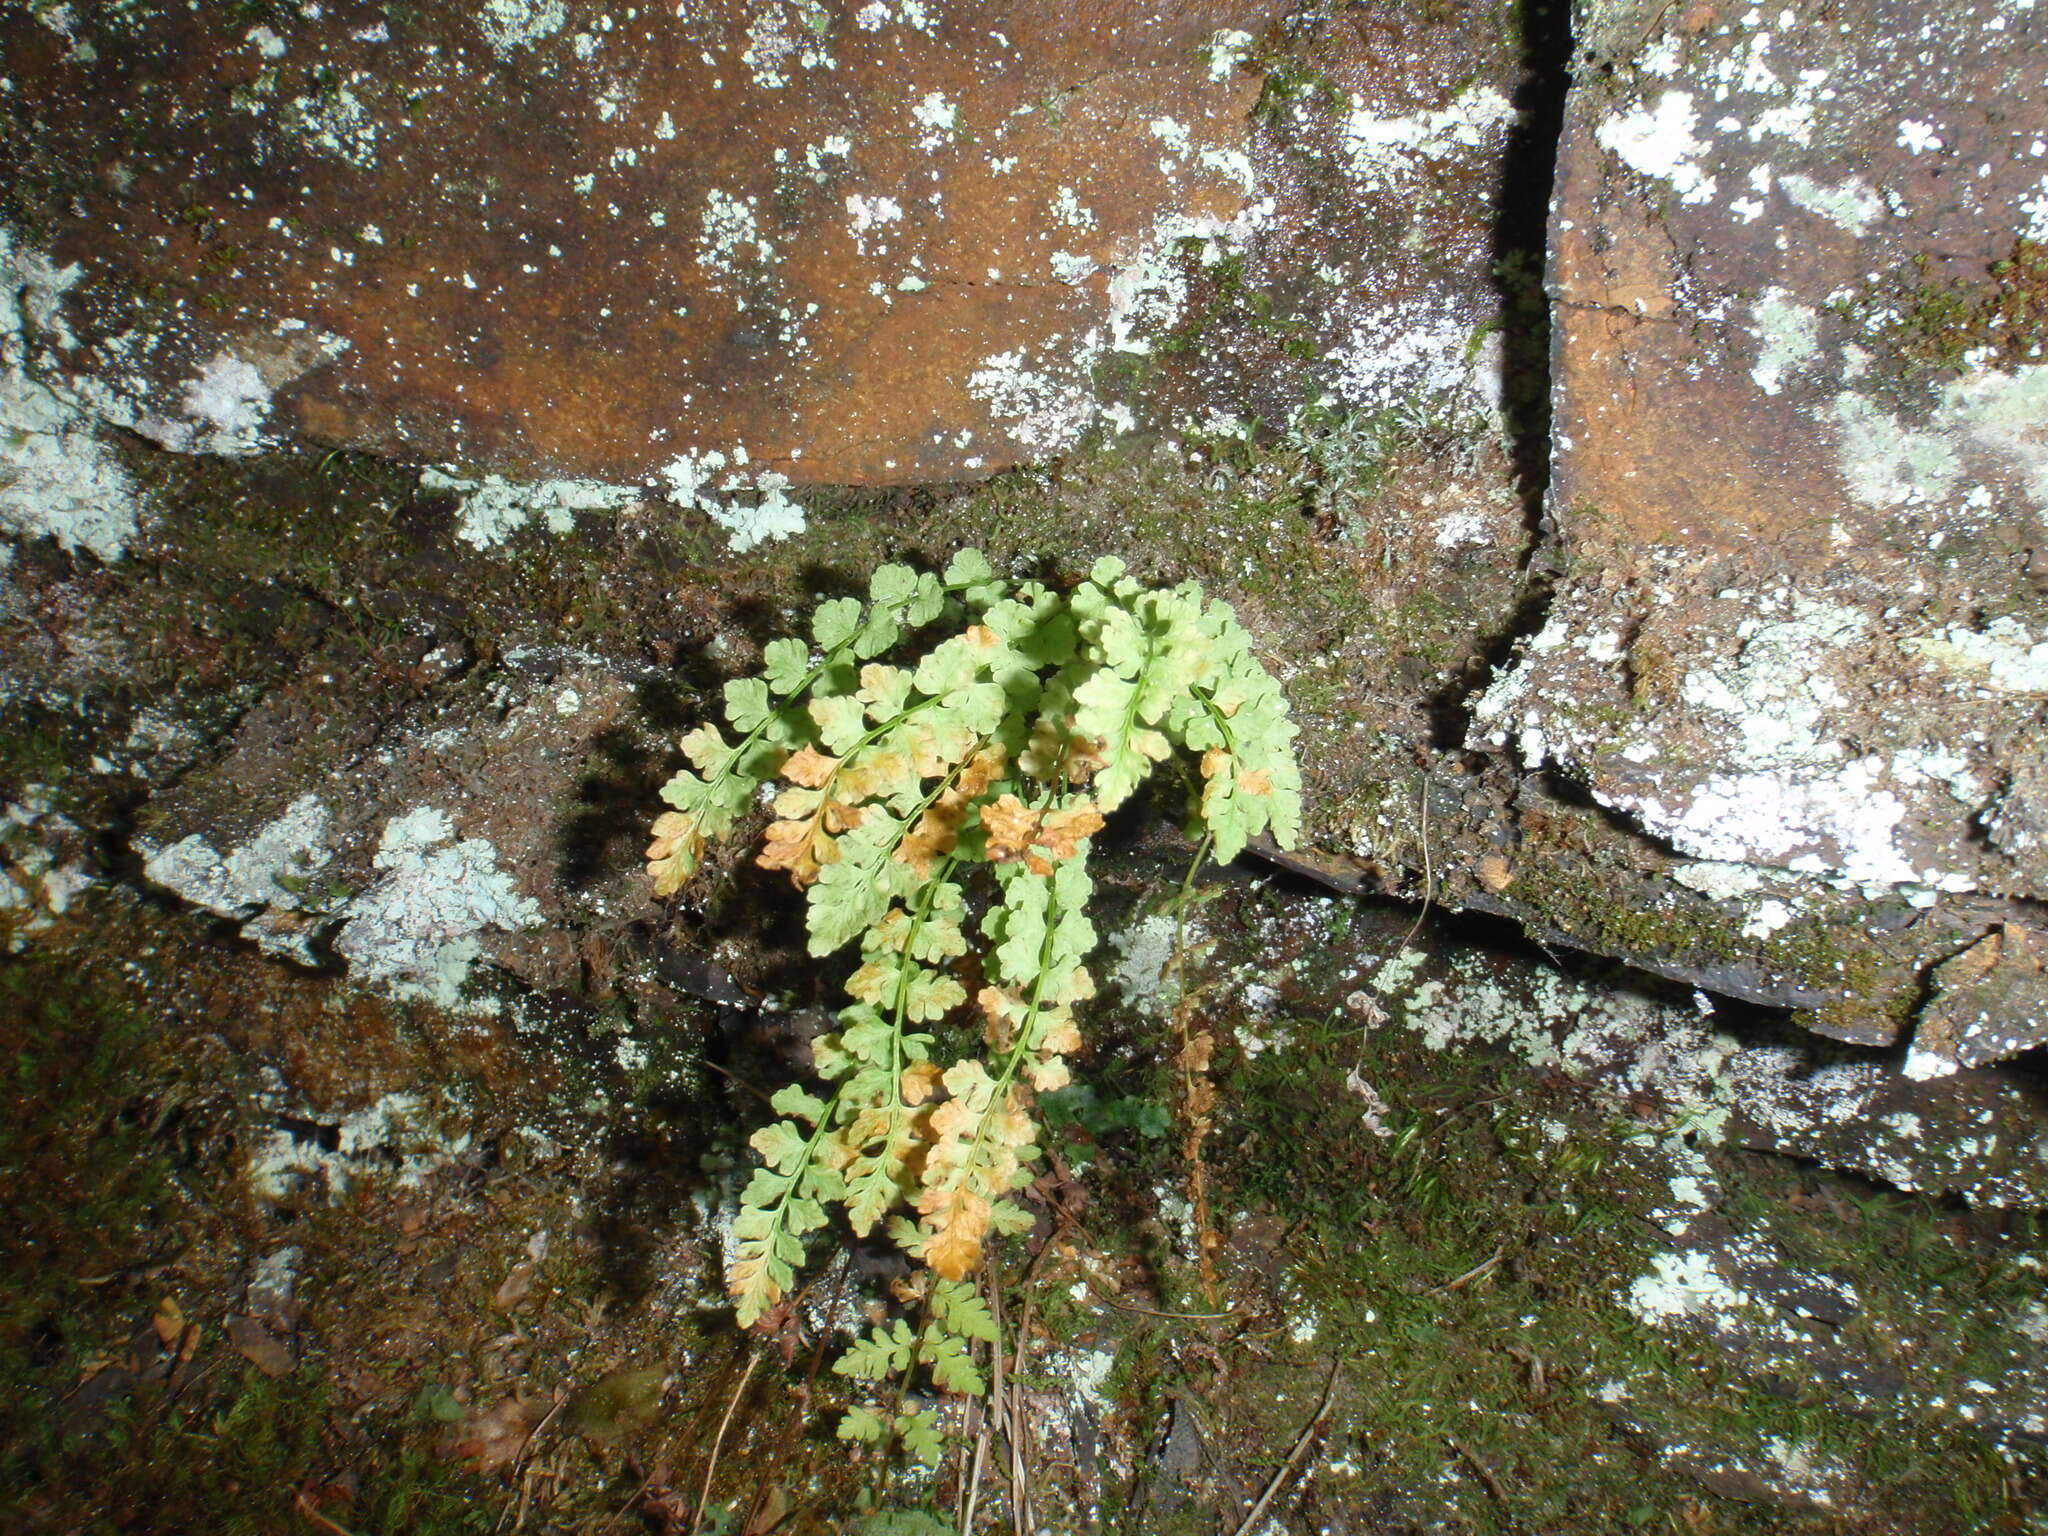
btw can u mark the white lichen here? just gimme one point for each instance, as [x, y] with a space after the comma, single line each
[493, 509]
[1686, 1285]
[1384, 152]
[397, 1137]
[1848, 205]
[1787, 334]
[1661, 142]
[265, 874]
[414, 931]
[1144, 951]
[57, 478]
[719, 487]
[2004, 655]
[231, 398]
[509, 25]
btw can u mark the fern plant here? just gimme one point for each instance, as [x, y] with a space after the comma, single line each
[1028, 717]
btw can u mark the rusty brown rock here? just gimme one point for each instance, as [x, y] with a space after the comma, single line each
[1798, 469]
[779, 244]
[838, 244]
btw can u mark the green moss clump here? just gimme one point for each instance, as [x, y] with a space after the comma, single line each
[1918, 326]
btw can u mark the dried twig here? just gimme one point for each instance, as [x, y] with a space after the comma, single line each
[1428, 872]
[1301, 1445]
[1480, 1470]
[1471, 1274]
[990, 1421]
[305, 1507]
[1108, 1298]
[519, 1462]
[718, 1441]
[1019, 1422]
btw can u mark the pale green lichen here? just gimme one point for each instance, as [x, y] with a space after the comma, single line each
[509, 25]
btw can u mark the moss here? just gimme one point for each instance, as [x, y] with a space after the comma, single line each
[1466, 1271]
[1618, 912]
[1919, 326]
[1580, 878]
[131, 1106]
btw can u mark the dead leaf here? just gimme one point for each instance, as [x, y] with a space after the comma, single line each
[810, 768]
[1062, 832]
[255, 1344]
[491, 1440]
[959, 1220]
[773, 1509]
[920, 1082]
[798, 847]
[1011, 825]
[515, 1287]
[1086, 756]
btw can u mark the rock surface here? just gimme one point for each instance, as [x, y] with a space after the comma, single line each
[419, 842]
[1258, 300]
[1800, 641]
[786, 245]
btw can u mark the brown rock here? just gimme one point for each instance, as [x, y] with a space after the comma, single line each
[778, 244]
[1990, 1002]
[1796, 464]
[255, 1343]
[840, 244]
[1494, 873]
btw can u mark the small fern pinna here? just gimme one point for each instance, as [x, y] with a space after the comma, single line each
[1031, 716]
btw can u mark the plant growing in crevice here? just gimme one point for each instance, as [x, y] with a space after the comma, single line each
[997, 750]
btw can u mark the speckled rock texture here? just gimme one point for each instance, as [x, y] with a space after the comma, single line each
[1799, 636]
[825, 243]
[632, 305]
[763, 245]
[403, 845]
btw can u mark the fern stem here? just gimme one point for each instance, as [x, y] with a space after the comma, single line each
[1022, 1045]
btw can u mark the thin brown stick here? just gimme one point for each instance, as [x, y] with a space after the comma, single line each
[990, 1422]
[1480, 1470]
[305, 1507]
[1198, 1090]
[1107, 1299]
[1471, 1274]
[970, 1495]
[526, 1450]
[718, 1441]
[1301, 1445]
[633, 1498]
[1428, 873]
[1019, 1420]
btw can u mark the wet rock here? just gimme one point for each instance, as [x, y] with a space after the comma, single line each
[780, 246]
[254, 1343]
[1798, 475]
[1975, 1134]
[369, 819]
[1990, 1002]
[1796, 1333]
